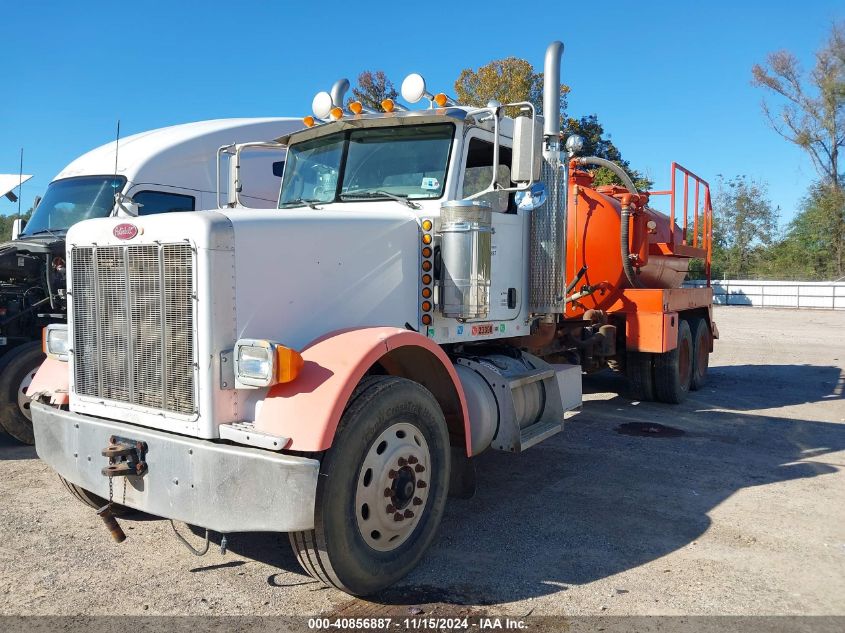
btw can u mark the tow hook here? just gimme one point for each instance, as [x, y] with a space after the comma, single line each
[126, 457]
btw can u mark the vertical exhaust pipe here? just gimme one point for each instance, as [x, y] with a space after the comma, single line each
[338, 91]
[547, 273]
[551, 96]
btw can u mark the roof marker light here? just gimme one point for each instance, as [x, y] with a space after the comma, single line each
[356, 107]
[442, 100]
[336, 113]
[309, 121]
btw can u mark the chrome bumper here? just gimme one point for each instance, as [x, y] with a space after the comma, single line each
[215, 486]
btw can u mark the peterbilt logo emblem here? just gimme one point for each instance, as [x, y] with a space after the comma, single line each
[125, 231]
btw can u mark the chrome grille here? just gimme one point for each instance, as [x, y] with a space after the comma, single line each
[133, 337]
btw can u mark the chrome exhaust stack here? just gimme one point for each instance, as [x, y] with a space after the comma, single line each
[547, 273]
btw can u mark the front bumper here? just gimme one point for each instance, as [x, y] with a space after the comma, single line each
[215, 486]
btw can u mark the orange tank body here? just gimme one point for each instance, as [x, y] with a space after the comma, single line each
[593, 240]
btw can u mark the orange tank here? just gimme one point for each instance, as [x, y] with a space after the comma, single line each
[593, 241]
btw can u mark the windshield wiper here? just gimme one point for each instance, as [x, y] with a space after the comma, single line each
[43, 231]
[299, 202]
[403, 199]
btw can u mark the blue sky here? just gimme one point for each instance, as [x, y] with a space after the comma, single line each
[669, 80]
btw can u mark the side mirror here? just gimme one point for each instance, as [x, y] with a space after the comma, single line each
[527, 148]
[532, 198]
[18, 227]
[36, 202]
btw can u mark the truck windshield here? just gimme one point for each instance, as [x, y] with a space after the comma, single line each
[72, 200]
[376, 163]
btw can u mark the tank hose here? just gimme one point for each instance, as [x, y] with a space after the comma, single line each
[616, 169]
[627, 266]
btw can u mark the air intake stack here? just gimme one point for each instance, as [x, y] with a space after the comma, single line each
[548, 222]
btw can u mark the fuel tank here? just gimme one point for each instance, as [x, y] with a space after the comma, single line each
[593, 241]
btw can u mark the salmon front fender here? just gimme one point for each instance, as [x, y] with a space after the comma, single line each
[308, 409]
[52, 379]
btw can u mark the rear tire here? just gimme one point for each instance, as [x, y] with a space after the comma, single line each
[673, 370]
[94, 501]
[702, 339]
[17, 374]
[358, 544]
[639, 368]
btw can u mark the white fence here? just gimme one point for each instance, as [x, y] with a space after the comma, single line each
[776, 294]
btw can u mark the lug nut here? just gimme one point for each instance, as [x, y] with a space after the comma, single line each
[412, 460]
[419, 468]
[421, 484]
[387, 492]
[417, 501]
[392, 474]
[390, 509]
[402, 461]
[409, 514]
[398, 517]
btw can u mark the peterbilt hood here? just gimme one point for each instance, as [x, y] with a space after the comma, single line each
[300, 274]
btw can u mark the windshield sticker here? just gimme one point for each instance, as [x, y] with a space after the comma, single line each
[430, 183]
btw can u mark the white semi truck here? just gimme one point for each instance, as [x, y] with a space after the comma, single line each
[329, 368]
[168, 169]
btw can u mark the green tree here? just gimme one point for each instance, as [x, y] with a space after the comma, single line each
[373, 87]
[745, 227]
[809, 112]
[596, 143]
[6, 222]
[512, 79]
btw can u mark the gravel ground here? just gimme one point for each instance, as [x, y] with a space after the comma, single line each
[741, 512]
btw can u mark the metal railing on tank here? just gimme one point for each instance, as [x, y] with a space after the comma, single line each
[701, 244]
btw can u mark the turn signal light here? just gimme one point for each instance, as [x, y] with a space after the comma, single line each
[289, 362]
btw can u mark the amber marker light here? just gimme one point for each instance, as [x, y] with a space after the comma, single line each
[288, 364]
[336, 113]
[426, 279]
[426, 266]
[426, 225]
[441, 99]
[426, 292]
[309, 121]
[426, 319]
[356, 107]
[426, 306]
[427, 252]
[426, 239]
[388, 105]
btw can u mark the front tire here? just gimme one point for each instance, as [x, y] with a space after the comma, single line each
[94, 501]
[15, 378]
[382, 488]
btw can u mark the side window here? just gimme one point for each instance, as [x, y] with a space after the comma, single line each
[163, 202]
[478, 173]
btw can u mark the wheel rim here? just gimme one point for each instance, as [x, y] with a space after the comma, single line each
[24, 400]
[393, 487]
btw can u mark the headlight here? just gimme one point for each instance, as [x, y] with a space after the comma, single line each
[262, 363]
[56, 343]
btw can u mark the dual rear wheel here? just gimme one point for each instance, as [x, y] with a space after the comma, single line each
[670, 376]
